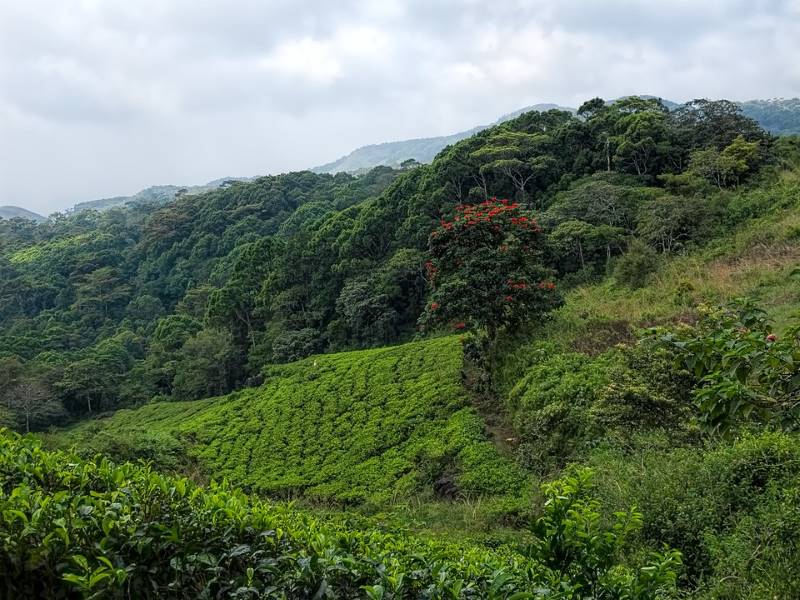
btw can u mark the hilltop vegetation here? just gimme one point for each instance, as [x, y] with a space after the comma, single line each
[156, 194]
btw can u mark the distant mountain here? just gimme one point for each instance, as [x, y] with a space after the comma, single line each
[422, 150]
[11, 212]
[157, 194]
[778, 116]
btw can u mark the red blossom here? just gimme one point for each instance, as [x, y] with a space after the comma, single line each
[772, 337]
[434, 305]
[459, 325]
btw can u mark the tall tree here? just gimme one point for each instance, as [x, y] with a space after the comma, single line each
[485, 270]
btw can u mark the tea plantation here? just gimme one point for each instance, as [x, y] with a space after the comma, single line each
[71, 528]
[351, 427]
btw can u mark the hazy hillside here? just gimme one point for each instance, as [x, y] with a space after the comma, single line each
[157, 194]
[780, 117]
[422, 150]
[11, 212]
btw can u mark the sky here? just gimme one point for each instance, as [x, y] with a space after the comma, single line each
[103, 97]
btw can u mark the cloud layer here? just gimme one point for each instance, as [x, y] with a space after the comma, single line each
[104, 97]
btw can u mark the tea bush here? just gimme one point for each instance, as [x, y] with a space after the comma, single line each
[351, 428]
[71, 528]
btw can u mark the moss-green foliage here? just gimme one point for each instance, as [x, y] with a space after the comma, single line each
[349, 427]
[732, 509]
[51, 249]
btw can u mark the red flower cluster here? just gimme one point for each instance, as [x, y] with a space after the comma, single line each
[526, 223]
[772, 337]
[516, 285]
[430, 270]
[473, 214]
[509, 298]
[459, 325]
[546, 285]
[434, 305]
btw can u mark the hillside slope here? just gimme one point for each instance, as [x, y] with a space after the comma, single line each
[12, 212]
[778, 116]
[423, 150]
[350, 427]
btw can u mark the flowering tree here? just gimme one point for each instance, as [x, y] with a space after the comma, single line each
[484, 270]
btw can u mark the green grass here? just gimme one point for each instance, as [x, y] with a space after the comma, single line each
[758, 260]
[372, 426]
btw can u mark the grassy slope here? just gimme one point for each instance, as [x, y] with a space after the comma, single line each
[353, 427]
[758, 260]
[731, 506]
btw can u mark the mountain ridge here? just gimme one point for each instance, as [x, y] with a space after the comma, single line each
[779, 116]
[12, 212]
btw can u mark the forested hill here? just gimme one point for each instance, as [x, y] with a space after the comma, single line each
[15, 212]
[156, 194]
[570, 287]
[778, 116]
[100, 310]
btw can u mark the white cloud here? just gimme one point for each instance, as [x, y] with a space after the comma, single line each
[100, 98]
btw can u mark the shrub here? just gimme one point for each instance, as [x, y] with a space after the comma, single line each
[569, 402]
[635, 266]
[744, 369]
[731, 509]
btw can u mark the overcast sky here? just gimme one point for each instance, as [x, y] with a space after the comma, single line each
[104, 97]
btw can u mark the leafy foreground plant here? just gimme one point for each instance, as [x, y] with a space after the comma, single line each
[744, 369]
[71, 528]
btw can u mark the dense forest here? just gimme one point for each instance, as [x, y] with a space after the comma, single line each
[577, 394]
[105, 310]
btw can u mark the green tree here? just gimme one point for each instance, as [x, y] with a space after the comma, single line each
[586, 241]
[205, 365]
[521, 157]
[668, 222]
[485, 270]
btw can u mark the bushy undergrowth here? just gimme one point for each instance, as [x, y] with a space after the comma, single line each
[569, 402]
[732, 509]
[72, 528]
[351, 428]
